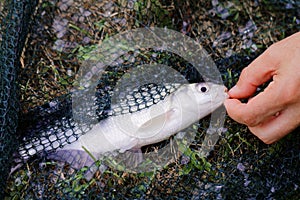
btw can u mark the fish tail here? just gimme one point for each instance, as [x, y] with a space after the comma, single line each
[76, 158]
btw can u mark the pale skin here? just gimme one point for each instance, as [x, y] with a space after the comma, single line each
[275, 112]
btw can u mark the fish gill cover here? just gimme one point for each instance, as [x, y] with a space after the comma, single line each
[62, 71]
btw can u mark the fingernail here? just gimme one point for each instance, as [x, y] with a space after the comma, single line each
[233, 90]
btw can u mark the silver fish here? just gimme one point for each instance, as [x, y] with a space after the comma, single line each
[180, 109]
[176, 112]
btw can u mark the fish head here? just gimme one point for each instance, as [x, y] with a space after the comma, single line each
[200, 99]
[186, 105]
[208, 92]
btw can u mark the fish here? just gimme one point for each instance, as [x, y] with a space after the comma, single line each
[177, 111]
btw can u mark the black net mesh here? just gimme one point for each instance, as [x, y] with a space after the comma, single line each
[45, 47]
[15, 17]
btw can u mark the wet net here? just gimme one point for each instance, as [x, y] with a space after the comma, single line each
[68, 65]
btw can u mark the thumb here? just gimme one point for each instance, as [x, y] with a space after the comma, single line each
[259, 108]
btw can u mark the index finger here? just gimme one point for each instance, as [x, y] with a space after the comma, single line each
[258, 72]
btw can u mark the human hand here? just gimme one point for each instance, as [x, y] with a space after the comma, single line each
[275, 112]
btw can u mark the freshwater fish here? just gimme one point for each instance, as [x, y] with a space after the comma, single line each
[177, 111]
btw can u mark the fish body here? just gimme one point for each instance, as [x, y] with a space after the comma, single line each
[177, 111]
[186, 105]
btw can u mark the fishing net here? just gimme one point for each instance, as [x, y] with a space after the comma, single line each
[50, 49]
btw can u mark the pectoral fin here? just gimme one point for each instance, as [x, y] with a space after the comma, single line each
[157, 123]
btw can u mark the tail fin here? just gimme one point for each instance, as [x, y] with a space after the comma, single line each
[76, 158]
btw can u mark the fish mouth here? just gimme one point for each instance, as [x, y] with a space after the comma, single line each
[221, 94]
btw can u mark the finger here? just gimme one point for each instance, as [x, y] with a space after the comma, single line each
[258, 72]
[276, 128]
[258, 109]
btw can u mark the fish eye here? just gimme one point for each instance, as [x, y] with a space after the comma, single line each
[202, 87]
